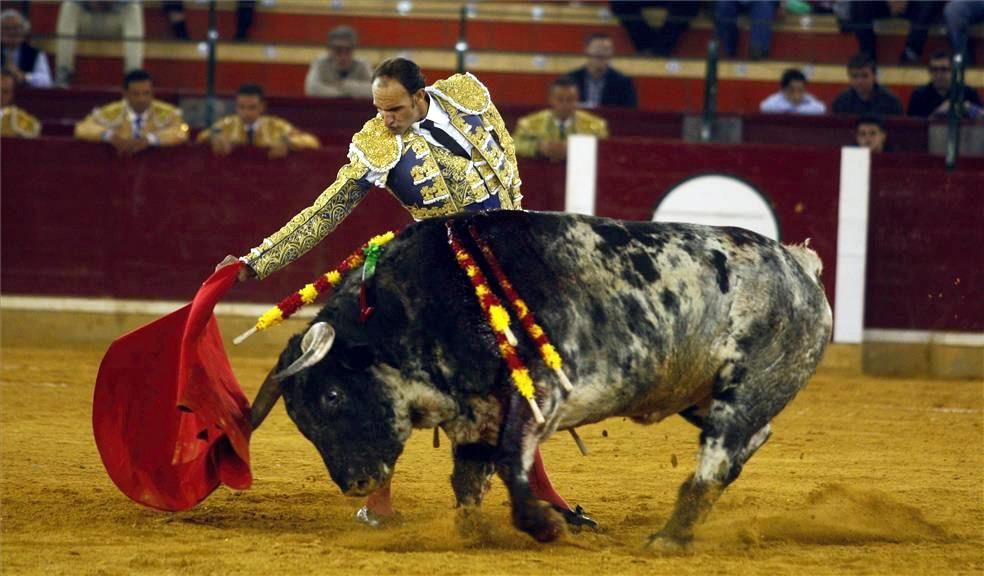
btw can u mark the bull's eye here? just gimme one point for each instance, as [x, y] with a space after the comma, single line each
[330, 399]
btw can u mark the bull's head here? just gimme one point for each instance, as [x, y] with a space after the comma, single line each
[355, 410]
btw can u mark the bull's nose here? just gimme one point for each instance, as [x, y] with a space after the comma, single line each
[362, 487]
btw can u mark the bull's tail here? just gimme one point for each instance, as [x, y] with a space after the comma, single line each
[807, 259]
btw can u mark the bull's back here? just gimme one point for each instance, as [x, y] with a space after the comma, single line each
[644, 313]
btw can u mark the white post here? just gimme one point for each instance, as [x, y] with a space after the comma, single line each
[852, 244]
[582, 171]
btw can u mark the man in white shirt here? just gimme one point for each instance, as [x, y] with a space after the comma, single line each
[793, 98]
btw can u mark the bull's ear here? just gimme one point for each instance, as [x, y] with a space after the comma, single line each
[358, 357]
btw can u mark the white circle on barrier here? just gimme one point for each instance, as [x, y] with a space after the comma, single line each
[718, 200]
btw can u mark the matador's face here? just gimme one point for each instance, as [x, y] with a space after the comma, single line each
[398, 108]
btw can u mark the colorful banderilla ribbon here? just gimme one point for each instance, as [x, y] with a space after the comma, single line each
[547, 351]
[498, 319]
[365, 256]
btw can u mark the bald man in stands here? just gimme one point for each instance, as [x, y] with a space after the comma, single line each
[137, 122]
[544, 134]
[251, 126]
[14, 122]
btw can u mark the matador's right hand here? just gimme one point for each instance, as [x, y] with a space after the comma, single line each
[245, 273]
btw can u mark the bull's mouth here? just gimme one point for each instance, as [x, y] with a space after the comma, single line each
[363, 487]
[369, 484]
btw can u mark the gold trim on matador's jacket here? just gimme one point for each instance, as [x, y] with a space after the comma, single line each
[428, 180]
[15, 122]
[164, 121]
[540, 126]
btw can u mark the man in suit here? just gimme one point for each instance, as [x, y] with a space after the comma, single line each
[598, 83]
[27, 64]
[544, 134]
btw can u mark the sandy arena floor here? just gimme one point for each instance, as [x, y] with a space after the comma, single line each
[862, 476]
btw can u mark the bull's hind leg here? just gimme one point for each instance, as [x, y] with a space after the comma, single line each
[736, 426]
[519, 441]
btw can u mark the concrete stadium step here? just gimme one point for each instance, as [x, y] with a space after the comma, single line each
[515, 78]
[547, 28]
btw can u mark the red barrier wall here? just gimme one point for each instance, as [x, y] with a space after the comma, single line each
[925, 235]
[336, 119]
[796, 181]
[78, 220]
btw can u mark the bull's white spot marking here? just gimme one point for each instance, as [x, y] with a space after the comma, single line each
[756, 441]
[715, 462]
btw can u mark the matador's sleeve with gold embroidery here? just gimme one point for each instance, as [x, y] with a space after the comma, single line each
[508, 146]
[313, 223]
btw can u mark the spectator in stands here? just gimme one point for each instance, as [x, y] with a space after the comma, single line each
[761, 13]
[869, 132]
[101, 18]
[339, 74]
[655, 41]
[959, 16]
[27, 64]
[14, 122]
[597, 82]
[421, 147]
[251, 126]
[861, 17]
[793, 97]
[175, 12]
[865, 96]
[136, 122]
[544, 134]
[934, 98]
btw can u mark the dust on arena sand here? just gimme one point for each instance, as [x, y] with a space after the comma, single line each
[861, 476]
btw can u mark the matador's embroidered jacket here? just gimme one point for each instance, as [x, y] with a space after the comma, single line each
[164, 123]
[18, 123]
[541, 126]
[427, 179]
[267, 131]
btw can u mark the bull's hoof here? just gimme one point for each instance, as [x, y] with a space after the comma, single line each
[663, 543]
[576, 518]
[371, 519]
[540, 521]
[472, 524]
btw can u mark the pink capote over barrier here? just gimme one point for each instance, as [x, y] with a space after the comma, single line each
[169, 418]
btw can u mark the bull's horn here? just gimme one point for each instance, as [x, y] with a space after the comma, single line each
[265, 399]
[316, 343]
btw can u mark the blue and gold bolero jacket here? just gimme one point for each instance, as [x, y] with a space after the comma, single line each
[428, 180]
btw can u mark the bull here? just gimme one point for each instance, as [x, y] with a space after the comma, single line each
[719, 325]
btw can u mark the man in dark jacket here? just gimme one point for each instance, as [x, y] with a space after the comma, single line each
[934, 98]
[27, 64]
[865, 96]
[598, 83]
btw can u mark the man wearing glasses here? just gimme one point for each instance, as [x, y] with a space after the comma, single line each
[339, 74]
[934, 98]
[598, 83]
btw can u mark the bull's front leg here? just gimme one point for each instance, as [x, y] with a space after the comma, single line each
[520, 439]
[474, 465]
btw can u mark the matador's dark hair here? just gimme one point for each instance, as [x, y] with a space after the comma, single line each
[137, 75]
[251, 90]
[404, 71]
